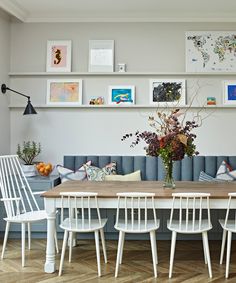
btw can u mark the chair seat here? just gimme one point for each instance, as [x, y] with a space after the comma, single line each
[79, 226]
[151, 226]
[231, 225]
[31, 216]
[175, 226]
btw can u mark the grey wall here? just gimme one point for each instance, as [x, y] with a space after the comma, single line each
[146, 47]
[4, 69]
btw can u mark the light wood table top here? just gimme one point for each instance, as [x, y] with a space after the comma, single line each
[109, 189]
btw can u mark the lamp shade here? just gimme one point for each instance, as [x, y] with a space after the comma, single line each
[29, 109]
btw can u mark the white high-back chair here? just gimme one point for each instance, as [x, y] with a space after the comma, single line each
[229, 227]
[81, 219]
[136, 214]
[190, 214]
[19, 200]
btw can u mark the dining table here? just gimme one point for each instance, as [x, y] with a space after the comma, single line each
[107, 198]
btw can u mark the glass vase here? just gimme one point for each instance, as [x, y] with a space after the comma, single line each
[169, 182]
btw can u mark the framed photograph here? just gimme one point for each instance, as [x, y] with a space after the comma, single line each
[121, 94]
[167, 92]
[64, 92]
[101, 56]
[59, 56]
[229, 93]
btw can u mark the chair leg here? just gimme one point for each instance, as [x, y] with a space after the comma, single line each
[205, 239]
[154, 251]
[70, 245]
[56, 242]
[103, 245]
[29, 236]
[204, 250]
[63, 251]
[23, 243]
[223, 246]
[119, 251]
[122, 249]
[5, 239]
[98, 251]
[172, 252]
[228, 253]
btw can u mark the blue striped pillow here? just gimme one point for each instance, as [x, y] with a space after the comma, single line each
[204, 177]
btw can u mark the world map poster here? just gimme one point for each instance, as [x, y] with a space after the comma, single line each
[210, 51]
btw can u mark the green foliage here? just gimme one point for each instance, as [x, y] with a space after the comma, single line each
[28, 151]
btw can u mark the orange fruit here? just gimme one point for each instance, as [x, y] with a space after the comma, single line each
[48, 167]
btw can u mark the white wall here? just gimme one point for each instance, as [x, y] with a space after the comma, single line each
[4, 69]
[144, 47]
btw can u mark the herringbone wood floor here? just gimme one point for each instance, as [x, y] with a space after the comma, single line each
[189, 266]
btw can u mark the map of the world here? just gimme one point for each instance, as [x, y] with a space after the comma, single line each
[210, 51]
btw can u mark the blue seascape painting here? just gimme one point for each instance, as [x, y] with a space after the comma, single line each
[121, 95]
[231, 92]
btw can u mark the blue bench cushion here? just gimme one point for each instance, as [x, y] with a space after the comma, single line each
[151, 168]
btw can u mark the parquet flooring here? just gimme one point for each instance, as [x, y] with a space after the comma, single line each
[189, 266]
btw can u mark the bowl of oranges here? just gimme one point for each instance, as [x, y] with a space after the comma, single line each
[44, 169]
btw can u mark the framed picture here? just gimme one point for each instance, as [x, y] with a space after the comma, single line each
[59, 56]
[121, 94]
[101, 56]
[167, 92]
[210, 51]
[64, 92]
[229, 93]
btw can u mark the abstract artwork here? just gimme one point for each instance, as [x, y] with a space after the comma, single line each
[209, 51]
[167, 92]
[64, 92]
[121, 95]
[101, 56]
[59, 56]
[229, 93]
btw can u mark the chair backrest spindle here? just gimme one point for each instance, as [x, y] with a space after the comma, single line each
[135, 207]
[86, 201]
[15, 190]
[190, 208]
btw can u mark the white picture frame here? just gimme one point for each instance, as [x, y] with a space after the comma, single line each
[158, 96]
[210, 51]
[58, 56]
[121, 94]
[229, 92]
[64, 92]
[101, 56]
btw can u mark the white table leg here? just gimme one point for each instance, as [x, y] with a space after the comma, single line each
[50, 208]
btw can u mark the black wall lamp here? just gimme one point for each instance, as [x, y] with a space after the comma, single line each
[29, 109]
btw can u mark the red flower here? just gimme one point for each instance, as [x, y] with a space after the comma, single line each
[162, 142]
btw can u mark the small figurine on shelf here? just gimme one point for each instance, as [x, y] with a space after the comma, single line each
[97, 101]
[211, 100]
[121, 67]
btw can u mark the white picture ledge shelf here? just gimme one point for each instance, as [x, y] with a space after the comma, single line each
[137, 106]
[114, 74]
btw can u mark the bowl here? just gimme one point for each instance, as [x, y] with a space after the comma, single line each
[44, 169]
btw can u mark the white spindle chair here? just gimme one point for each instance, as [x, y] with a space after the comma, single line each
[190, 214]
[136, 219]
[229, 227]
[80, 219]
[19, 200]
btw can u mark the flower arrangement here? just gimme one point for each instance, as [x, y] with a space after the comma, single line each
[172, 140]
